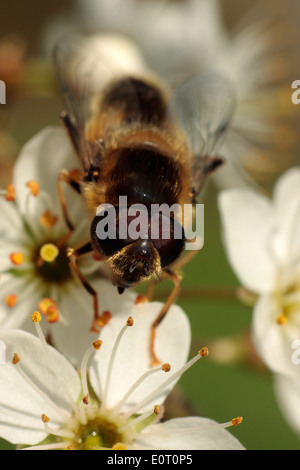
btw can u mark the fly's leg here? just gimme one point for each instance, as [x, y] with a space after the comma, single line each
[150, 290]
[67, 177]
[185, 259]
[176, 278]
[73, 256]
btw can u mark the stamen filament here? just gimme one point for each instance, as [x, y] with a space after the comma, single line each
[36, 318]
[163, 386]
[83, 370]
[137, 420]
[205, 427]
[28, 215]
[58, 432]
[135, 386]
[82, 413]
[111, 362]
[96, 345]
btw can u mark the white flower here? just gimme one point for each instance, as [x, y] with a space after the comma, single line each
[287, 391]
[262, 239]
[171, 35]
[115, 401]
[32, 229]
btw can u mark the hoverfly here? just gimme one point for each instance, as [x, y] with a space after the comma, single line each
[135, 138]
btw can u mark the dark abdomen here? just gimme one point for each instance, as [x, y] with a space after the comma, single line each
[135, 100]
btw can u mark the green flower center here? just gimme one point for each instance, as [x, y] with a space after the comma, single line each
[97, 433]
[289, 303]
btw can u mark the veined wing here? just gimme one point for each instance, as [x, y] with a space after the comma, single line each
[204, 106]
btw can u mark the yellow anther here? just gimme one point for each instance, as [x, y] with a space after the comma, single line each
[17, 258]
[104, 318]
[130, 321]
[49, 252]
[203, 352]
[281, 320]
[45, 418]
[34, 187]
[156, 409]
[45, 304]
[166, 367]
[10, 193]
[97, 344]
[52, 315]
[86, 399]
[36, 317]
[70, 251]
[48, 219]
[141, 298]
[237, 421]
[11, 300]
[119, 446]
[16, 359]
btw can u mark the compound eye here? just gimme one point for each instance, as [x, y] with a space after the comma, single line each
[110, 229]
[105, 246]
[104, 232]
[169, 238]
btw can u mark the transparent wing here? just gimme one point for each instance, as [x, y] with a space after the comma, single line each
[204, 106]
[74, 69]
[84, 68]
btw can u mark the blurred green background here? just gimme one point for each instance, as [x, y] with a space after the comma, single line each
[222, 386]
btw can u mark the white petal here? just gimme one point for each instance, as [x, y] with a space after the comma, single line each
[41, 160]
[288, 395]
[188, 434]
[72, 336]
[287, 204]
[272, 341]
[133, 357]
[21, 406]
[287, 190]
[11, 222]
[29, 293]
[247, 220]
[13, 237]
